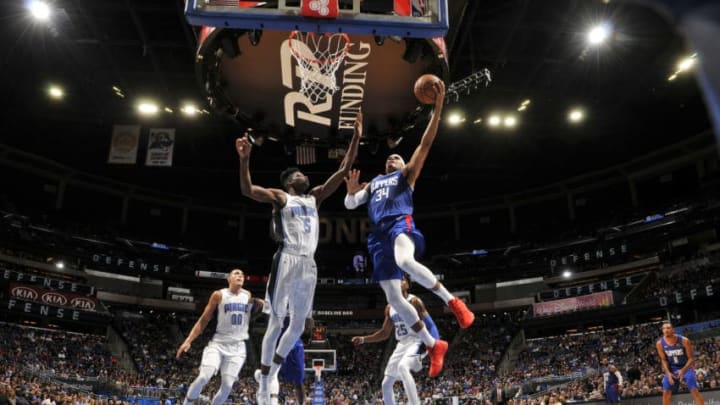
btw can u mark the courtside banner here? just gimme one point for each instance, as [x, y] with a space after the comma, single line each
[45, 282]
[124, 144]
[161, 143]
[710, 397]
[57, 298]
[574, 304]
[41, 310]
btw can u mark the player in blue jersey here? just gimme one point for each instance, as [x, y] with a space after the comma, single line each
[613, 382]
[678, 364]
[394, 241]
[408, 353]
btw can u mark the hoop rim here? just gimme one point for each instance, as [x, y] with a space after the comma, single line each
[315, 60]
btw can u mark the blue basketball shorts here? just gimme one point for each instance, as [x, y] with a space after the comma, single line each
[381, 246]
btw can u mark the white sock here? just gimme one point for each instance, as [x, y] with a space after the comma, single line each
[443, 293]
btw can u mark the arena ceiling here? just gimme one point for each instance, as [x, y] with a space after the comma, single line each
[535, 50]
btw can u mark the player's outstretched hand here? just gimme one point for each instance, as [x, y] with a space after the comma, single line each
[352, 182]
[243, 147]
[182, 349]
[357, 340]
[439, 93]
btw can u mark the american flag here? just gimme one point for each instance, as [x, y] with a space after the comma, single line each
[304, 154]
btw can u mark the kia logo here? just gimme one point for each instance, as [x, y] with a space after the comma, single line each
[83, 303]
[54, 298]
[24, 293]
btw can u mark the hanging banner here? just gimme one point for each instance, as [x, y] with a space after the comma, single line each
[161, 142]
[686, 295]
[124, 144]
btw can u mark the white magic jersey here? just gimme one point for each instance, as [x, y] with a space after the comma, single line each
[299, 224]
[402, 329]
[233, 317]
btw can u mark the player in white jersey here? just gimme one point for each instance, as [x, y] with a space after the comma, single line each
[293, 276]
[408, 353]
[226, 350]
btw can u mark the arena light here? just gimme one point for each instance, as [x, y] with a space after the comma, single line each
[686, 64]
[598, 34]
[494, 120]
[576, 115]
[567, 274]
[59, 265]
[147, 108]
[524, 105]
[477, 121]
[168, 110]
[40, 10]
[189, 110]
[455, 119]
[55, 92]
[510, 121]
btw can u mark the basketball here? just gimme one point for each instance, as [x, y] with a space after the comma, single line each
[424, 88]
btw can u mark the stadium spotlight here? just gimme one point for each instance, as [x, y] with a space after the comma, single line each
[40, 10]
[576, 115]
[510, 121]
[147, 108]
[598, 34]
[455, 119]
[59, 265]
[686, 64]
[189, 110]
[567, 274]
[55, 92]
[494, 120]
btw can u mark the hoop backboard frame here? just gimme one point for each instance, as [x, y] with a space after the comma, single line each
[351, 21]
[311, 360]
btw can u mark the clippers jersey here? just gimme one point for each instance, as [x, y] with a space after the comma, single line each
[402, 329]
[390, 196]
[233, 317]
[298, 224]
[676, 356]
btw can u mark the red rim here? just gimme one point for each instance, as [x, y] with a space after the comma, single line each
[319, 61]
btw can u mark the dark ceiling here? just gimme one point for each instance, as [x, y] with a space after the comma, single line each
[535, 50]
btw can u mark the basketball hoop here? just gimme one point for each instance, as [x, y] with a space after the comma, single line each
[318, 57]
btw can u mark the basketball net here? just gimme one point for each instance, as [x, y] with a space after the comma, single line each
[318, 373]
[318, 57]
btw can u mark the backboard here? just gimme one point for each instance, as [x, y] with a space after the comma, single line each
[317, 357]
[403, 18]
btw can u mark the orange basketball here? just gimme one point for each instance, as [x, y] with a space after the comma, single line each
[424, 88]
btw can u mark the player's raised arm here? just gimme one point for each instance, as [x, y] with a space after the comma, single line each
[357, 193]
[257, 193]
[323, 191]
[201, 323]
[411, 171]
[379, 335]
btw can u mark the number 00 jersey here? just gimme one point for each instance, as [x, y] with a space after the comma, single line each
[296, 225]
[233, 317]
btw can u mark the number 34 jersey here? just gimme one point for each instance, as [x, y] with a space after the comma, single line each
[390, 196]
[233, 317]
